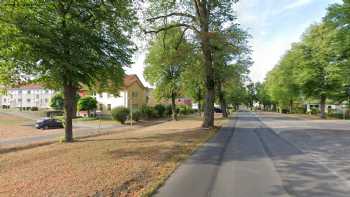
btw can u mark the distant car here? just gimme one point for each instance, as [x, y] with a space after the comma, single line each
[217, 110]
[48, 123]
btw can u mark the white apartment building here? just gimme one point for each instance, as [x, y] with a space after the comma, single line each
[30, 95]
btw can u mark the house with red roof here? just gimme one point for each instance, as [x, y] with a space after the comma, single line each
[132, 95]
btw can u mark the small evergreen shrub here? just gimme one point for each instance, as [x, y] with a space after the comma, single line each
[168, 111]
[159, 110]
[120, 114]
[136, 115]
[148, 112]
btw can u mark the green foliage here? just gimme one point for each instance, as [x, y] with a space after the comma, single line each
[148, 112]
[136, 115]
[165, 63]
[120, 114]
[168, 110]
[34, 109]
[57, 101]
[66, 44]
[184, 109]
[87, 103]
[160, 110]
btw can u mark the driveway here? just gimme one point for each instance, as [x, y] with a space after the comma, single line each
[268, 155]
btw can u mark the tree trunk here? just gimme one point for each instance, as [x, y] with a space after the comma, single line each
[199, 98]
[222, 101]
[173, 107]
[199, 108]
[323, 107]
[290, 105]
[208, 121]
[69, 94]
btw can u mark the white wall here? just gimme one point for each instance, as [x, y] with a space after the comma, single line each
[108, 99]
[28, 98]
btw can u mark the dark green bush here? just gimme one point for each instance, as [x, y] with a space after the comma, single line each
[148, 112]
[34, 109]
[159, 110]
[315, 111]
[168, 111]
[120, 114]
[136, 115]
[184, 109]
[300, 110]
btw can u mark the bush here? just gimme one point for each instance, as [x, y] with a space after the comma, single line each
[34, 109]
[300, 110]
[159, 110]
[120, 114]
[136, 115]
[168, 111]
[184, 109]
[315, 111]
[148, 112]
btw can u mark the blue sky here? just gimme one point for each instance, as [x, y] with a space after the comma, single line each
[273, 25]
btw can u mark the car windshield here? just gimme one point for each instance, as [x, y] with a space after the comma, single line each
[43, 119]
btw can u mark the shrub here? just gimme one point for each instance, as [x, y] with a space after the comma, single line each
[147, 112]
[136, 115]
[34, 109]
[159, 110]
[184, 109]
[300, 110]
[120, 114]
[168, 111]
[315, 111]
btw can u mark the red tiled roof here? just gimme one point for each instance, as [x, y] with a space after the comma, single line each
[131, 79]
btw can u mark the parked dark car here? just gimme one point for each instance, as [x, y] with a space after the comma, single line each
[217, 110]
[48, 123]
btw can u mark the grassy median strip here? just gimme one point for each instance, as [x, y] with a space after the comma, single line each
[133, 163]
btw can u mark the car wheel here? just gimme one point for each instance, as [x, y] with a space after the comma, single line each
[46, 127]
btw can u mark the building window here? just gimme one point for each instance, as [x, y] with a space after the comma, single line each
[28, 100]
[19, 91]
[19, 100]
[109, 107]
[37, 96]
[28, 92]
[101, 96]
[46, 91]
[134, 94]
[101, 107]
[4, 100]
[46, 100]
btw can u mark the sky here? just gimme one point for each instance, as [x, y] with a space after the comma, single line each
[273, 24]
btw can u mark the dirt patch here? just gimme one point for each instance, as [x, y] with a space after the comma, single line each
[123, 164]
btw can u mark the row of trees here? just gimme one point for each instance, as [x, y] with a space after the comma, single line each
[317, 67]
[67, 44]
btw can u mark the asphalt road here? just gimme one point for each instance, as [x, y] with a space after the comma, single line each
[268, 155]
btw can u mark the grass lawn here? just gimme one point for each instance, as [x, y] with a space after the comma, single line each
[131, 163]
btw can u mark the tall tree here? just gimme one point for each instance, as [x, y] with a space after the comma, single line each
[319, 74]
[281, 82]
[198, 18]
[338, 18]
[66, 44]
[230, 47]
[165, 63]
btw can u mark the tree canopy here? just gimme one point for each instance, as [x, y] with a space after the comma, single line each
[65, 44]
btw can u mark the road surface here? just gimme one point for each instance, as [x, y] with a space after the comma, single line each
[268, 155]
